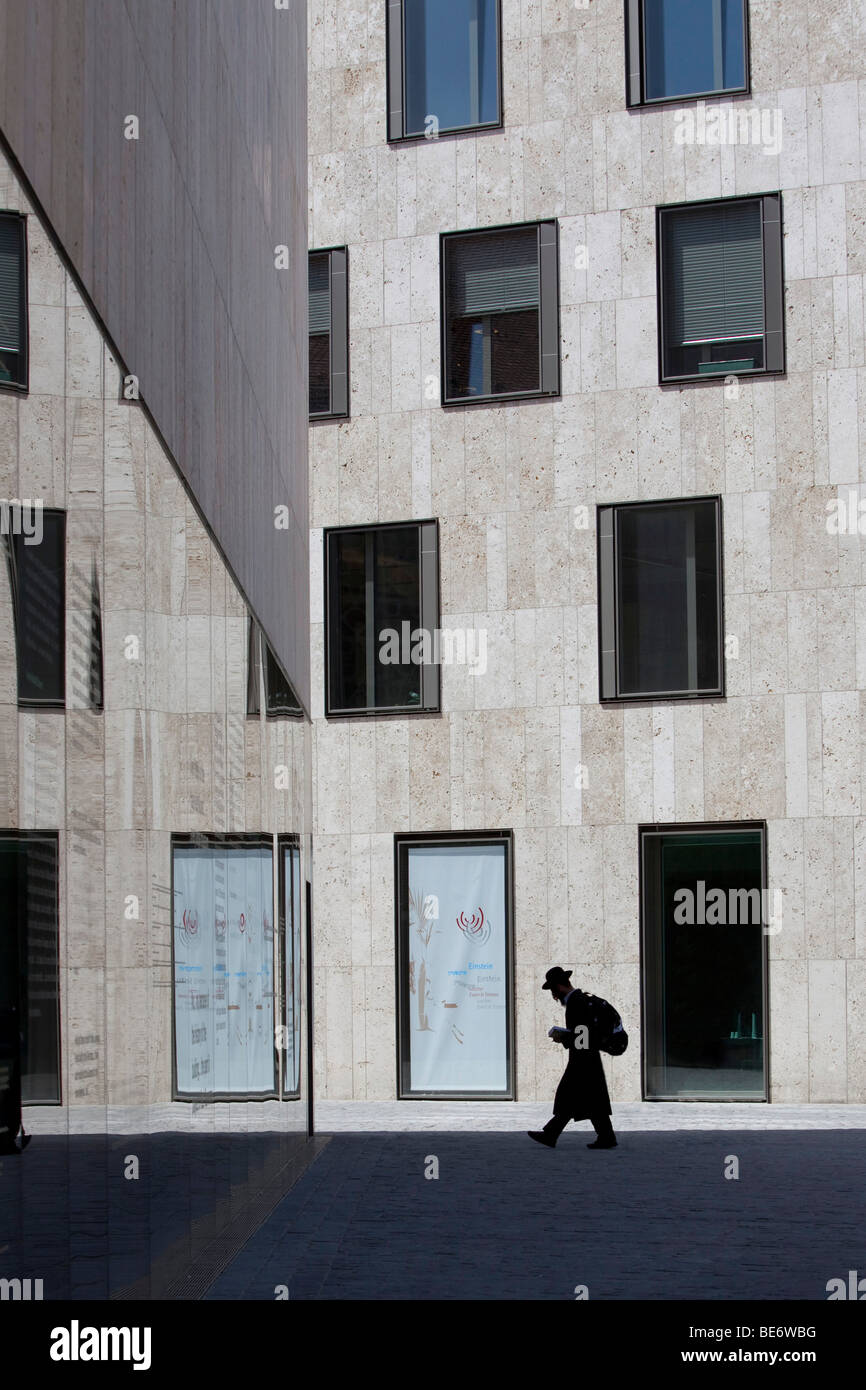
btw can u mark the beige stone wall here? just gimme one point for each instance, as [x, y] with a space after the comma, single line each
[173, 750]
[788, 744]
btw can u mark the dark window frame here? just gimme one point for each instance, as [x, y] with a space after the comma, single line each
[27, 701]
[259, 652]
[22, 384]
[402, 840]
[635, 64]
[284, 842]
[395, 82]
[659, 830]
[338, 333]
[231, 840]
[773, 263]
[431, 608]
[549, 337]
[608, 604]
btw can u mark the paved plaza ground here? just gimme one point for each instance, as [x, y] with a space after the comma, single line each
[227, 1209]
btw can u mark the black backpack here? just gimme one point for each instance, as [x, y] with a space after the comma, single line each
[606, 1030]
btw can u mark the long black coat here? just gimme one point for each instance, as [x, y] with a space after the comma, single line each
[582, 1092]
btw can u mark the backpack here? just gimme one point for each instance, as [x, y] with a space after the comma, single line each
[606, 1029]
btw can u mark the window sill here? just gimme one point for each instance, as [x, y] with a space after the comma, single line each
[653, 102]
[500, 400]
[454, 133]
[389, 712]
[661, 697]
[709, 378]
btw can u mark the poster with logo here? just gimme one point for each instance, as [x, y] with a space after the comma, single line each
[223, 969]
[456, 958]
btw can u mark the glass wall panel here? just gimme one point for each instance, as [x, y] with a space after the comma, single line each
[29, 970]
[224, 968]
[704, 915]
[291, 952]
[455, 983]
[668, 598]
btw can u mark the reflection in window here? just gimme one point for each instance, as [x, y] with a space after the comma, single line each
[29, 972]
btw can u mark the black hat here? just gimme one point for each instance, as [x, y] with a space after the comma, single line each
[556, 976]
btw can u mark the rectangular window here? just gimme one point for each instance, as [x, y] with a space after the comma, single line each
[37, 578]
[500, 313]
[455, 965]
[382, 614]
[262, 667]
[290, 954]
[13, 300]
[224, 967]
[29, 973]
[443, 67]
[329, 334]
[660, 600]
[705, 916]
[721, 291]
[677, 49]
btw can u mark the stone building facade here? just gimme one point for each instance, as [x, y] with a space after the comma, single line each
[528, 747]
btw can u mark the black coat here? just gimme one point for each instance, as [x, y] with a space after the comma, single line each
[582, 1092]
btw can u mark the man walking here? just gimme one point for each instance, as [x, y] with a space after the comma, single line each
[582, 1092]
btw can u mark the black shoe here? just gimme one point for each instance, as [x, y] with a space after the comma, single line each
[541, 1138]
[603, 1144]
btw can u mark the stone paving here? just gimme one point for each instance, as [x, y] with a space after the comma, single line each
[505, 1218]
[655, 1218]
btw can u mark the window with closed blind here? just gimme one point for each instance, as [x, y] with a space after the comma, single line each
[677, 49]
[328, 330]
[721, 292]
[13, 300]
[443, 61]
[660, 599]
[500, 313]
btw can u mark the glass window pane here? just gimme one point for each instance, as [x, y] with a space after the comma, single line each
[281, 697]
[451, 60]
[39, 613]
[693, 47]
[397, 616]
[319, 291]
[667, 582]
[704, 912]
[347, 634]
[223, 969]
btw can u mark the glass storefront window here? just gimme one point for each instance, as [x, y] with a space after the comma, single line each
[455, 966]
[224, 967]
[706, 917]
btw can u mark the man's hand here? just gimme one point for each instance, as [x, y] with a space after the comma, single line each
[559, 1033]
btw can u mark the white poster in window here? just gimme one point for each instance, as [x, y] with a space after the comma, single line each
[457, 968]
[223, 969]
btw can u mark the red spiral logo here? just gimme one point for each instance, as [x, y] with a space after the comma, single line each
[476, 928]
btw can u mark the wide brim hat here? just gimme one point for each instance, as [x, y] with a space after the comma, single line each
[556, 976]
